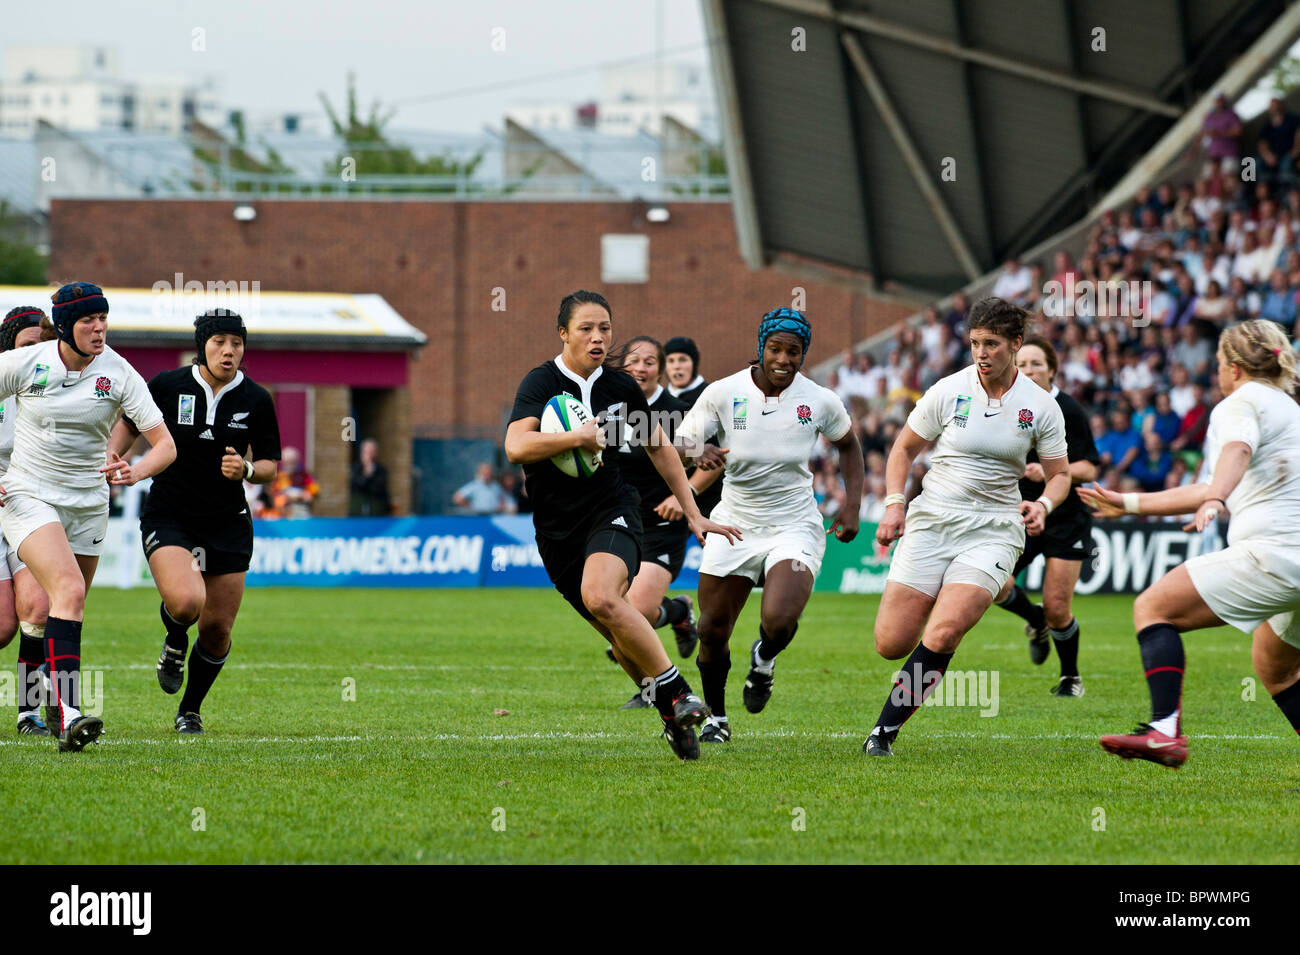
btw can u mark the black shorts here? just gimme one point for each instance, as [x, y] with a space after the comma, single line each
[222, 545]
[616, 530]
[664, 543]
[1070, 539]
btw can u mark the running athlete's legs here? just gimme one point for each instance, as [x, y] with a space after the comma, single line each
[721, 600]
[786, 590]
[29, 599]
[958, 608]
[8, 615]
[1276, 662]
[1059, 579]
[604, 585]
[900, 619]
[1173, 600]
[47, 555]
[225, 593]
[179, 581]
[649, 589]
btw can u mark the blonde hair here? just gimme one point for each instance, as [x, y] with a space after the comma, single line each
[1262, 351]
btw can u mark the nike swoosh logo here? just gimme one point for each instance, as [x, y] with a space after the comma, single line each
[68, 384]
[1154, 745]
[1000, 567]
[993, 415]
[773, 411]
[100, 541]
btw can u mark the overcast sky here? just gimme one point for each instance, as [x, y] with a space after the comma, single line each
[275, 55]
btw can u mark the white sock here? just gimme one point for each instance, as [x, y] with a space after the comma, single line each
[1168, 725]
[760, 664]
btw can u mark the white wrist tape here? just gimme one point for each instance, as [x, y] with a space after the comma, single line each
[1047, 505]
[891, 499]
[1131, 503]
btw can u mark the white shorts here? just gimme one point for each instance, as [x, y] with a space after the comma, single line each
[943, 547]
[762, 548]
[1249, 582]
[12, 563]
[86, 526]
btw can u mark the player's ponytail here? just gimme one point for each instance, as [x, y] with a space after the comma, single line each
[1262, 350]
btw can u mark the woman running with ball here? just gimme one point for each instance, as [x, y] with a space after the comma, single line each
[195, 526]
[589, 528]
[1253, 584]
[54, 496]
[768, 418]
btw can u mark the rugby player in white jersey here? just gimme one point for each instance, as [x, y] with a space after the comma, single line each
[966, 529]
[22, 602]
[1254, 583]
[768, 417]
[54, 498]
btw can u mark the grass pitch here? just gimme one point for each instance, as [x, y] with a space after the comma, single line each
[426, 765]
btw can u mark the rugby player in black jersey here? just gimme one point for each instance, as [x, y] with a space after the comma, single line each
[195, 526]
[589, 528]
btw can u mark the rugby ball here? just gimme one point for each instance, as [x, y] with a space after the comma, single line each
[566, 413]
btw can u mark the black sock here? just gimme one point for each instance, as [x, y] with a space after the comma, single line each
[768, 647]
[203, 672]
[1288, 701]
[713, 681]
[669, 685]
[30, 658]
[920, 675]
[672, 612]
[1067, 648]
[177, 632]
[1020, 605]
[1163, 661]
[63, 654]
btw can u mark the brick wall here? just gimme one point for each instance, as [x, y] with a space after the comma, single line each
[331, 462]
[438, 264]
[392, 431]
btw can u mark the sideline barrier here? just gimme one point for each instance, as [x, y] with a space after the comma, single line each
[502, 552]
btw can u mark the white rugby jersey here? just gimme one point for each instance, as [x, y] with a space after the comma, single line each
[8, 411]
[768, 480]
[1266, 502]
[981, 446]
[64, 418]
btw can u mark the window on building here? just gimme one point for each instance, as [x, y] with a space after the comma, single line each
[624, 258]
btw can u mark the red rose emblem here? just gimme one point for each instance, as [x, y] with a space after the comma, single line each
[804, 413]
[1026, 418]
[102, 384]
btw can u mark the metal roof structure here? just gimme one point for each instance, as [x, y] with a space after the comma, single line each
[921, 142]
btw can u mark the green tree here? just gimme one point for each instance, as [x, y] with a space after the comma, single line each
[1285, 76]
[20, 264]
[368, 152]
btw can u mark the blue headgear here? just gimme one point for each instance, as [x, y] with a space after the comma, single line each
[71, 302]
[784, 320]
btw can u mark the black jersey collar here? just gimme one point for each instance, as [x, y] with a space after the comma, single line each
[584, 384]
[207, 391]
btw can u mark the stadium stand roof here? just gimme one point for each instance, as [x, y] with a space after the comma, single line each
[835, 153]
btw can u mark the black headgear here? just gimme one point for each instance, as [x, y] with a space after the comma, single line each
[24, 316]
[217, 321]
[71, 302]
[685, 346]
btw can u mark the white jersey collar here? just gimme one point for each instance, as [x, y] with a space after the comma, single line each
[207, 391]
[655, 397]
[584, 384]
[695, 383]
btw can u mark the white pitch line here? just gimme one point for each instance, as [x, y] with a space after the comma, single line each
[514, 737]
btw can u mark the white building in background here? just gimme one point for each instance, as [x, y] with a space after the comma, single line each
[81, 88]
[632, 99]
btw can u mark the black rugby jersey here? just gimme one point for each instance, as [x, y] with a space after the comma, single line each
[242, 415]
[1079, 447]
[638, 470]
[562, 503]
